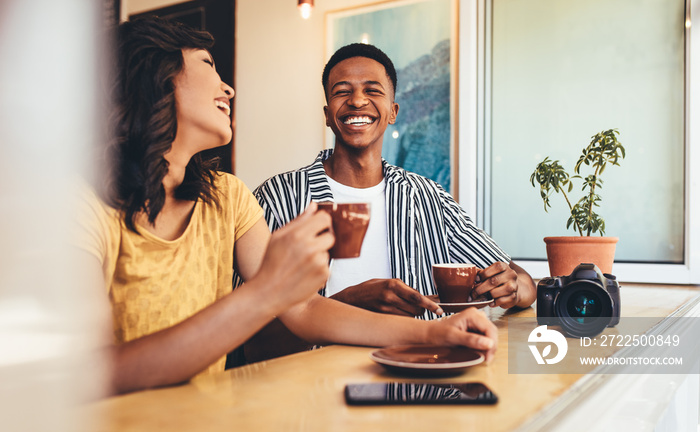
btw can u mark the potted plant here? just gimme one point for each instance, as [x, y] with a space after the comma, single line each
[565, 253]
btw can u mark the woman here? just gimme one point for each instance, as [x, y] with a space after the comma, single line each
[170, 230]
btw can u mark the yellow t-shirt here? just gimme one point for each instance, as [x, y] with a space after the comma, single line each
[154, 283]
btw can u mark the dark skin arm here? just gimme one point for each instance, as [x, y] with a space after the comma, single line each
[509, 285]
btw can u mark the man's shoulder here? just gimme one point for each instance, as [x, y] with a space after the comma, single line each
[286, 176]
[294, 176]
[412, 179]
[290, 183]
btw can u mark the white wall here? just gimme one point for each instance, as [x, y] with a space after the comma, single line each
[279, 98]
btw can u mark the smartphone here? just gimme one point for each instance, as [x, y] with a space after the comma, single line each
[397, 393]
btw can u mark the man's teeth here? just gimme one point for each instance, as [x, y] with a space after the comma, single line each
[224, 106]
[364, 120]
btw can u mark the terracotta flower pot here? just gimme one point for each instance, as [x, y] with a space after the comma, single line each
[565, 253]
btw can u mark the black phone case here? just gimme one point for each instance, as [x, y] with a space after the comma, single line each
[405, 394]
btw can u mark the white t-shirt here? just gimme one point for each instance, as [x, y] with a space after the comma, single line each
[373, 261]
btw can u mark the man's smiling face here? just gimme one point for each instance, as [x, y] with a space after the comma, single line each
[360, 103]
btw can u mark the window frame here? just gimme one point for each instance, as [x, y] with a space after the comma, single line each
[474, 142]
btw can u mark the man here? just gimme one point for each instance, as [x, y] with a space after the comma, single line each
[415, 222]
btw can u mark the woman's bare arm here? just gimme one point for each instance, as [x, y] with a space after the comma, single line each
[293, 268]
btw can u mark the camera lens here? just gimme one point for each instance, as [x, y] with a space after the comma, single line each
[584, 308]
[583, 305]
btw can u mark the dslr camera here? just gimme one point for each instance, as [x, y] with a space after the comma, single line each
[583, 303]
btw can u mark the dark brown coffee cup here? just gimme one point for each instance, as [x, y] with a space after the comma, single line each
[350, 222]
[454, 282]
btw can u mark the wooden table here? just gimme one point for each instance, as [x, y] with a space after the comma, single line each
[304, 392]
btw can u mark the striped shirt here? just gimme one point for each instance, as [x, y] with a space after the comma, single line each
[425, 225]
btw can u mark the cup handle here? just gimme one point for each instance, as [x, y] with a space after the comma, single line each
[486, 296]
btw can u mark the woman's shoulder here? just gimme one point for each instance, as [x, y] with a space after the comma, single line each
[233, 192]
[224, 181]
[237, 201]
[96, 226]
[89, 202]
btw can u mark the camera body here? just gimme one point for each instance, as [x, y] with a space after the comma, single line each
[582, 303]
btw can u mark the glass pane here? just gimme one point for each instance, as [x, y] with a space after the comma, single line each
[563, 71]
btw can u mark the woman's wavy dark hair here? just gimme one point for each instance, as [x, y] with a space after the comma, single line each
[149, 57]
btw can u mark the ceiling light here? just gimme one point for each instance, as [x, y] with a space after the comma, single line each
[305, 7]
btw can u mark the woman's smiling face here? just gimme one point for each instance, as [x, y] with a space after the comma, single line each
[203, 102]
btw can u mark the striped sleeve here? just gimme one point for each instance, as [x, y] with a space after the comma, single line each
[467, 241]
[427, 226]
[279, 197]
[285, 196]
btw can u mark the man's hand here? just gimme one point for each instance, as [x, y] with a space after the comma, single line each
[470, 328]
[390, 296]
[509, 285]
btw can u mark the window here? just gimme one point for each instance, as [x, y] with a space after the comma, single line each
[551, 74]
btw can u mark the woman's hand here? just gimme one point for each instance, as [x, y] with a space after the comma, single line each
[295, 264]
[469, 328]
